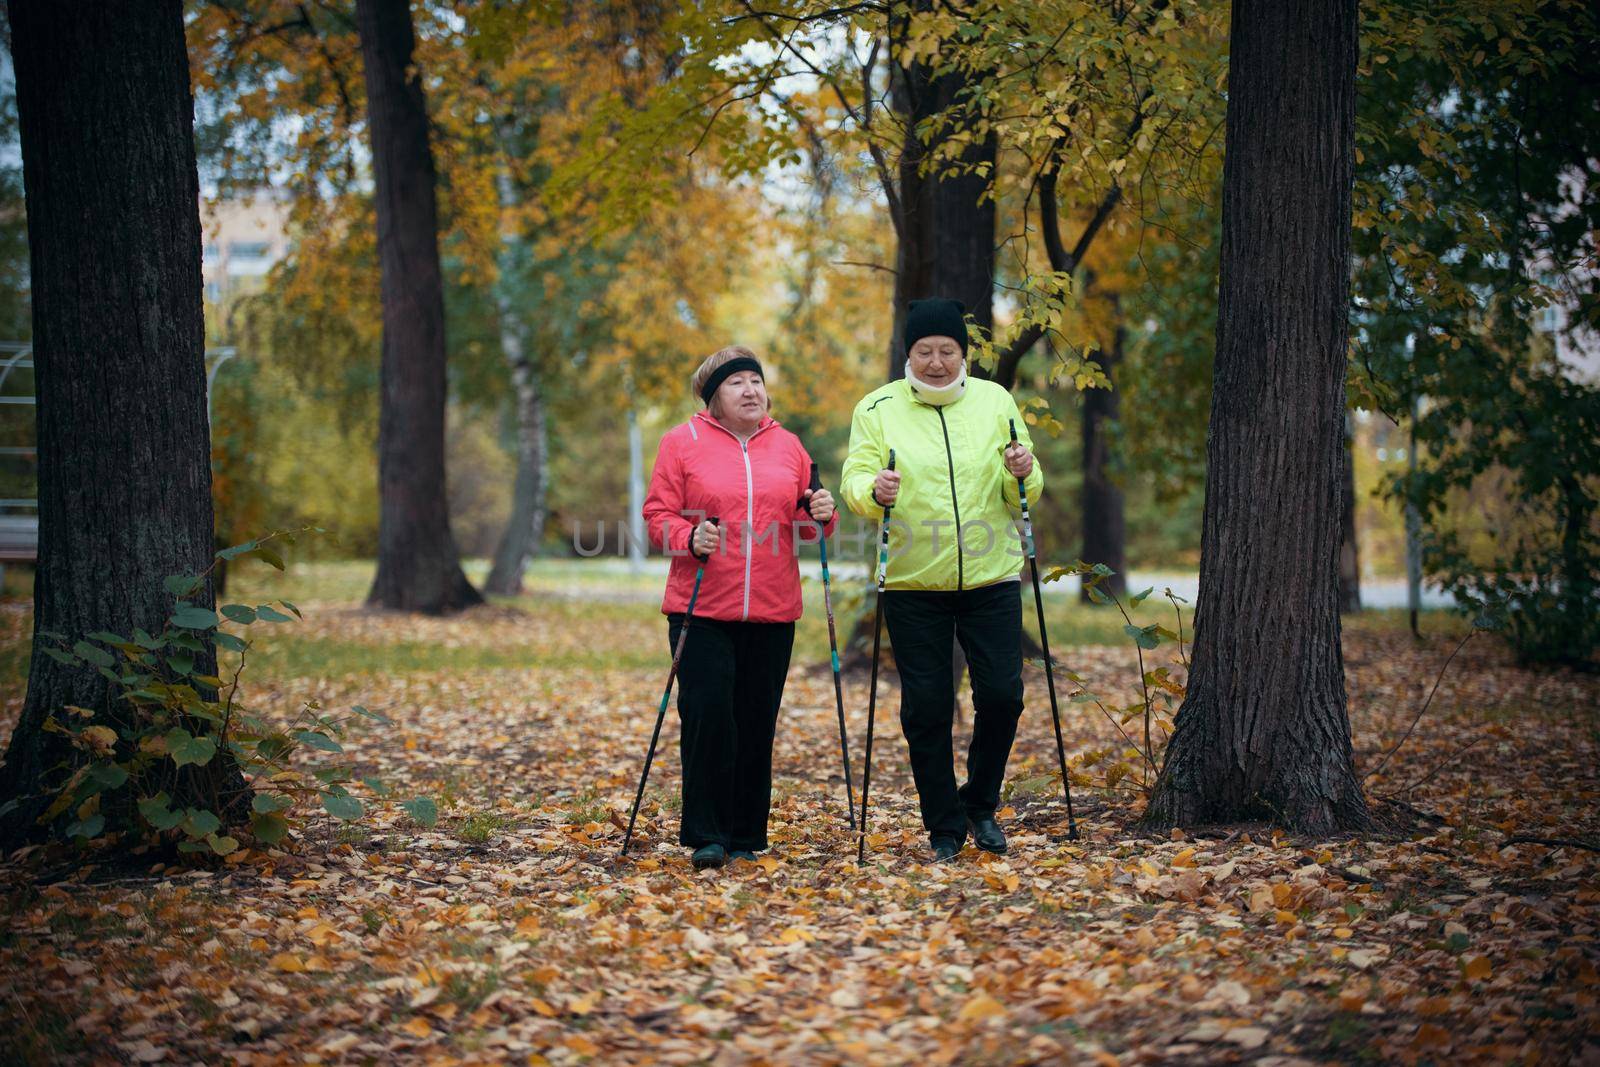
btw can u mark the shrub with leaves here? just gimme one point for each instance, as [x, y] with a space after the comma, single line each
[175, 720]
[1160, 694]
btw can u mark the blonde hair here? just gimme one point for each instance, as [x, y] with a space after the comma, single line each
[702, 374]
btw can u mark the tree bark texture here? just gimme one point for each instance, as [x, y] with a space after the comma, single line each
[419, 568]
[525, 528]
[1105, 530]
[112, 194]
[1263, 732]
[947, 232]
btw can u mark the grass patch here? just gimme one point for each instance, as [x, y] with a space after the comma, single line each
[480, 826]
[36, 1033]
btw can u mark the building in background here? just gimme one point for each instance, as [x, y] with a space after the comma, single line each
[242, 240]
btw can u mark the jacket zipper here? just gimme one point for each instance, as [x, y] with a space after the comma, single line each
[954, 504]
[749, 521]
[749, 503]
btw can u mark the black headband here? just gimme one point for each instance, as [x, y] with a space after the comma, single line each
[726, 371]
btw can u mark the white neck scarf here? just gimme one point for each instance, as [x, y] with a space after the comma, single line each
[938, 396]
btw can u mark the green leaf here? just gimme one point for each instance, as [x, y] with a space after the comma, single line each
[1145, 637]
[180, 584]
[198, 822]
[231, 642]
[423, 810]
[343, 807]
[108, 638]
[64, 658]
[1095, 594]
[182, 662]
[234, 551]
[185, 748]
[146, 640]
[269, 826]
[193, 617]
[265, 803]
[193, 846]
[88, 828]
[292, 608]
[108, 775]
[262, 552]
[273, 746]
[1138, 598]
[185, 639]
[268, 613]
[157, 814]
[318, 740]
[221, 845]
[376, 716]
[377, 786]
[91, 654]
[240, 613]
[1102, 570]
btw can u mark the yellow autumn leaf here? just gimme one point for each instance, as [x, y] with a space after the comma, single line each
[1479, 968]
[981, 1007]
[287, 962]
[418, 1027]
[1184, 858]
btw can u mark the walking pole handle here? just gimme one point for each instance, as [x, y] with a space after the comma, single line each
[891, 459]
[1013, 423]
[816, 478]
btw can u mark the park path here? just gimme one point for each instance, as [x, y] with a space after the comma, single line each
[512, 932]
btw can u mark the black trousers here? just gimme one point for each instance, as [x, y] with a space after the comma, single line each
[988, 623]
[730, 683]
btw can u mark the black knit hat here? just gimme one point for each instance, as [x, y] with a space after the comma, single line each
[936, 317]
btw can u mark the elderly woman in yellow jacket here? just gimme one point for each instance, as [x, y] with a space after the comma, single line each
[955, 561]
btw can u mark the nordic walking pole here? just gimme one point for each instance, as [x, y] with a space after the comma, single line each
[661, 712]
[1044, 643]
[872, 698]
[833, 647]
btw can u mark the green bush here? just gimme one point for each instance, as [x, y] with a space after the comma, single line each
[134, 763]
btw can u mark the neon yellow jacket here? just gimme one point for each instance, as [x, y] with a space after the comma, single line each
[952, 470]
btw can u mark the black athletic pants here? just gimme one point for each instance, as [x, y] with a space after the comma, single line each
[988, 623]
[730, 683]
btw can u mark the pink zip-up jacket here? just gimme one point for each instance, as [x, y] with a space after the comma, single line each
[702, 471]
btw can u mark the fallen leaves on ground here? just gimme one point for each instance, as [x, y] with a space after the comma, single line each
[512, 931]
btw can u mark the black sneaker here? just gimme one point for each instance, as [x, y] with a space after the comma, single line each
[741, 854]
[986, 833]
[945, 848]
[707, 856]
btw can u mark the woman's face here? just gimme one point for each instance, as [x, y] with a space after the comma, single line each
[743, 397]
[936, 360]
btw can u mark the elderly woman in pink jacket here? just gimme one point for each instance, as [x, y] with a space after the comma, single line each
[733, 462]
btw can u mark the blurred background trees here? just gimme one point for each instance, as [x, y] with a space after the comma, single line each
[623, 187]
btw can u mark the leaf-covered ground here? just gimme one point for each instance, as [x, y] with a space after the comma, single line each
[512, 932]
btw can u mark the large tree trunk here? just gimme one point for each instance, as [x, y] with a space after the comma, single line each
[419, 568]
[947, 229]
[119, 343]
[525, 528]
[1263, 732]
[1105, 531]
[1349, 545]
